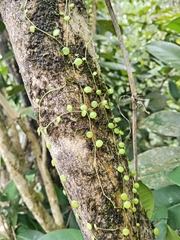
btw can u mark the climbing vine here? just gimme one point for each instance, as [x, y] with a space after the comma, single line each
[93, 104]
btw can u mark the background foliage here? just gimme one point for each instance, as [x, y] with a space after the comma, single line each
[151, 34]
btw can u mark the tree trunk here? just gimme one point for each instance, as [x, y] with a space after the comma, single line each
[53, 80]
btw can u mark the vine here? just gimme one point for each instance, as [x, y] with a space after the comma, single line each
[127, 202]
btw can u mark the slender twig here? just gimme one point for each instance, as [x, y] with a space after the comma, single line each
[131, 81]
[167, 77]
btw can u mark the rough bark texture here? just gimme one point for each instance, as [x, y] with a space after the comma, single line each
[52, 82]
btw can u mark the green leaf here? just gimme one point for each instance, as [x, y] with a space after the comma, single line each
[167, 196]
[62, 199]
[2, 26]
[3, 83]
[160, 212]
[73, 223]
[146, 198]
[171, 235]
[25, 222]
[168, 53]
[155, 164]
[30, 235]
[162, 226]
[11, 190]
[174, 176]
[106, 25]
[13, 215]
[63, 234]
[174, 91]
[4, 71]
[157, 101]
[165, 123]
[7, 56]
[174, 25]
[30, 175]
[28, 111]
[114, 66]
[16, 89]
[173, 217]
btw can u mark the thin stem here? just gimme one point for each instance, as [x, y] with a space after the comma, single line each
[94, 17]
[131, 82]
[134, 134]
[166, 77]
[121, 43]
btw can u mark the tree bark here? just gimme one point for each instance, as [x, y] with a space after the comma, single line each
[53, 81]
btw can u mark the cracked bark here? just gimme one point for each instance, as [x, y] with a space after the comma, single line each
[92, 178]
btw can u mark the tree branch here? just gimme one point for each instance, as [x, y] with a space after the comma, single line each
[50, 191]
[49, 187]
[12, 161]
[131, 82]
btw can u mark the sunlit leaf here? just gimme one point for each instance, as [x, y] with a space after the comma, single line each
[166, 123]
[167, 52]
[174, 25]
[171, 235]
[146, 198]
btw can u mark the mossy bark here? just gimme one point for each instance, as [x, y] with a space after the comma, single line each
[52, 82]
